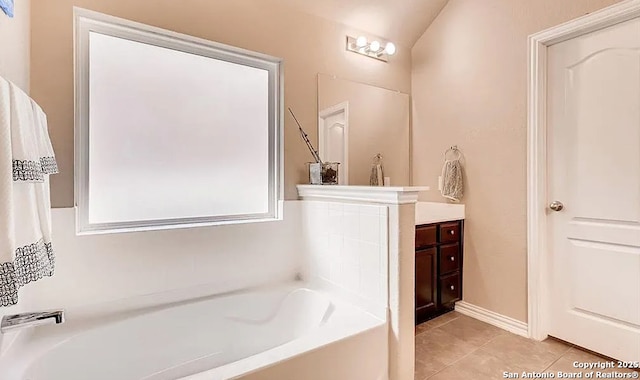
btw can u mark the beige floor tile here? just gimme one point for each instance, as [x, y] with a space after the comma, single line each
[437, 322]
[427, 363]
[436, 349]
[565, 363]
[423, 327]
[457, 347]
[444, 318]
[477, 366]
[426, 368]
[472, 330]
[450, 373]
[524, 353]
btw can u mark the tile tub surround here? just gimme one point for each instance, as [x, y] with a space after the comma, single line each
[456, 347]
[436, 212]
[184, 263]
[124, 273]
[347, 251]
[401, 263]
[101, 268]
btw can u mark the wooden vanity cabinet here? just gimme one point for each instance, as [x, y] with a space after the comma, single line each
[438, 268]
[427, 281]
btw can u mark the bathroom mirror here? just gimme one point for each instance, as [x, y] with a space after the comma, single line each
[356, 121]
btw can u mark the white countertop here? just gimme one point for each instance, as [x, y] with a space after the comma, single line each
[435, 212]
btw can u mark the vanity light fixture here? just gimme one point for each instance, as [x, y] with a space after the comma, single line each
[374, 46]
[361, 42]
[390, 49]
[373, 49]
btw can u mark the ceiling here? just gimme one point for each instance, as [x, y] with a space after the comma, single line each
[401, 21]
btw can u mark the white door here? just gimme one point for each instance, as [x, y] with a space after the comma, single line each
[593, 119]
[333, 131]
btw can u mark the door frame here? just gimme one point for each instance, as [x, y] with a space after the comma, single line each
[538, 273]
[322, 116]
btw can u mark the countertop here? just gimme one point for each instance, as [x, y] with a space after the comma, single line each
[435, 212]
[372, 194]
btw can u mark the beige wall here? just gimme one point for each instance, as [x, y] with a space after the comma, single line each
[378, 123]
[469, 86]
[308, 44]
[14, 45]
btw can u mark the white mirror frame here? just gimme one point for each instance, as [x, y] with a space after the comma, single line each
[85, 22]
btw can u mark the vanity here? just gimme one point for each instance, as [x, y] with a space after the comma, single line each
[439, 241]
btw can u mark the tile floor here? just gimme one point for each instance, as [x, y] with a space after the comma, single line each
[456, 347]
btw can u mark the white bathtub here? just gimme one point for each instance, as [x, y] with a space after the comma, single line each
[224, 337]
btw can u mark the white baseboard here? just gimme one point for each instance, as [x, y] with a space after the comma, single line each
[506, 323]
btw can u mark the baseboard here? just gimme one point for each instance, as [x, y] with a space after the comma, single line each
[506, 323]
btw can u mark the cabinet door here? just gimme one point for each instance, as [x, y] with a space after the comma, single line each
[426, 283]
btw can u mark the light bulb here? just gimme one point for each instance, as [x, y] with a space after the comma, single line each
[390, 48]
[361, 41]
[375, 46]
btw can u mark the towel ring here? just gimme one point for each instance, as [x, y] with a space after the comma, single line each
[455, 150]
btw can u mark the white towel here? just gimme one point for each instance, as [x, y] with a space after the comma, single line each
[376, 178]
[452, 181]
[26, 160]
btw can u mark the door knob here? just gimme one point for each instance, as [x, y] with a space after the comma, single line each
[556, 206]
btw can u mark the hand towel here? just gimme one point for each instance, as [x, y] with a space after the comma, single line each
[7, 7]
[26, 161]
[452, 181]
[376, 178]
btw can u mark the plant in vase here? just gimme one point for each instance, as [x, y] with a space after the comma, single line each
[320, 173]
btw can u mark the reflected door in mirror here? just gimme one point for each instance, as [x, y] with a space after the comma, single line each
[333, 131]
[356, 122]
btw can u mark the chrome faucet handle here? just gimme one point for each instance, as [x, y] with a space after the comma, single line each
[23, 320]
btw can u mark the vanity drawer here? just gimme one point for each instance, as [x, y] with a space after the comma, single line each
[449, 232]
[450, 288]
[449, 258]
[426, 236]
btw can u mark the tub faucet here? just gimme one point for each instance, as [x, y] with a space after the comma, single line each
[19, 321]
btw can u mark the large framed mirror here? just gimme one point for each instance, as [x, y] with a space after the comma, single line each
[358, 121]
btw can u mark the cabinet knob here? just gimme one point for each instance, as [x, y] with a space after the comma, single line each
[452, 258]
[452, 232]
[452, 287]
